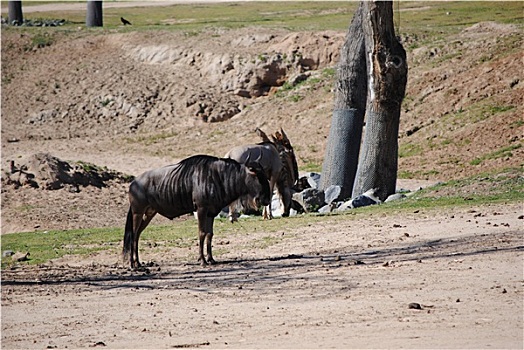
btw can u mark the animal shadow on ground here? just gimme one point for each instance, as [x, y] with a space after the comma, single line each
[260, 272]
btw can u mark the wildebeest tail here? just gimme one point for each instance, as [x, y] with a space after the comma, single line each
[128, 235]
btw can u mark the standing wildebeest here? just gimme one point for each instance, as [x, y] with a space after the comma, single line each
[200, 183]
[277, 158]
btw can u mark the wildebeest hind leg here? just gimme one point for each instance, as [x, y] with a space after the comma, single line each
[140, 222]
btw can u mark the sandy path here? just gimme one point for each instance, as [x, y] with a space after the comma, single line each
[325, 286]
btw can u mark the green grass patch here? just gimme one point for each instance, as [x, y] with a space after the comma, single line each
[478, 112]
[500, 153]
[409, 150]
[39, 40]
[46, 245]
[311, 166]
[329, 73]
[193, 18]
[151, 139]
[431, 19]
[424, 20]
[504, 187]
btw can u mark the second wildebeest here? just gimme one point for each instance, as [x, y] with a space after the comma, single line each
[278, 160]
[201, 184]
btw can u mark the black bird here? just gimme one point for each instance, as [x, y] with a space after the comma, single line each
[125, 21]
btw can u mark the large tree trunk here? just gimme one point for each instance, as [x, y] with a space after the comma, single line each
[387, 77]
[343, 145]
[94, 16]
[14, 13]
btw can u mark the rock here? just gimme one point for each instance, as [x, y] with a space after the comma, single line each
[326, 209]
[368, 198]
[345, 206]
[296, 208]
[39, 22]
[313, 180]
[242, 93]
[7, 253]
[302, 184]
[276, 208]
[296, 79]
[47, 172]
[395, 197]
[312, 52]
[415, 306]
[355, 262]
[310, 199]
[331, 193]
[18, 256]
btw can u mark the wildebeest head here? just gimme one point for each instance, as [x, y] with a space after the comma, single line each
[258, 184]
[287, 154]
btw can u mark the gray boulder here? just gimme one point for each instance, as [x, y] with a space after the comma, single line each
[331, 193]
[365, 199]
[313, 179]
[395, 197]
[310, 199]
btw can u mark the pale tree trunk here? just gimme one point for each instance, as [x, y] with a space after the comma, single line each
[14, 13]
[387, 78]
[343, 145]
[94, 16]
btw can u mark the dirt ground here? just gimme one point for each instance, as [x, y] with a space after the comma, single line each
[343, 283]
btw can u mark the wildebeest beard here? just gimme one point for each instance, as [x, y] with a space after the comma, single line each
[249, 203]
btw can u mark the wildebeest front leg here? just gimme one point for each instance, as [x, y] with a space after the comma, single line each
[233, 213]
[202, 220]
[205, 236]
[286, 197]
[201, 240]
[209, 239]
[267, 212]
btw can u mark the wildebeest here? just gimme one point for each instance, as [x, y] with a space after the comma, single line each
[277, 158]
[201, 184]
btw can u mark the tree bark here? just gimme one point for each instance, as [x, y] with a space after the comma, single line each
[343, 145]
[94, 16]
[14, 13]
[387, 78]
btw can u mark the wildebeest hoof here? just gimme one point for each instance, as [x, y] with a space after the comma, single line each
[211, 261]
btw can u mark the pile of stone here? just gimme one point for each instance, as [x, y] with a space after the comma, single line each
[41, 22]
[309, 198]
[47, 172]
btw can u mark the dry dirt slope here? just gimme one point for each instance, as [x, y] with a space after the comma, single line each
[128, 102]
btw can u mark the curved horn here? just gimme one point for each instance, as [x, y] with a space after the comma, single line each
[262, 135]
[259, 157]
[284, 136]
